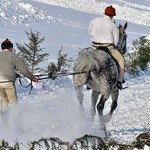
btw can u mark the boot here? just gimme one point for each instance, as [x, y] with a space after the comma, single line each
[123, 81]
[119, 85]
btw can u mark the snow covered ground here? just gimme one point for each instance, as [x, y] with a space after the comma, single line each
[52, 108]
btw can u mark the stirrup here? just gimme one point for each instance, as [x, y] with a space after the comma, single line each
[88, 88]
[123, 81]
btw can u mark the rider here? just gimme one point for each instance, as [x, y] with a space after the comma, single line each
[103, 32]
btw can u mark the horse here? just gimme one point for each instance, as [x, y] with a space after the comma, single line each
[99, 71]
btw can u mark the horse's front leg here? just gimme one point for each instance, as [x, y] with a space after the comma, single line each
[113, 106]
[94, 98]
[114, 96]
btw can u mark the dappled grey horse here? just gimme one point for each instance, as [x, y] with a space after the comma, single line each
[98, 70]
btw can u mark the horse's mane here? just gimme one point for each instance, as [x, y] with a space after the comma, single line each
[85, 61]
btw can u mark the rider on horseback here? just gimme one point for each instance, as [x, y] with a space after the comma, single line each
[104, 34]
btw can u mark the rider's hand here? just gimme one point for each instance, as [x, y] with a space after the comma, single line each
[35, 79]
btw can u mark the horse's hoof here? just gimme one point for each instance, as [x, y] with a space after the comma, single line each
[102, 126]
[91, 118]
[106, 135]
[107, 118]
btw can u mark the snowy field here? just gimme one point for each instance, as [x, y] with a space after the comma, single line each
[52, 108]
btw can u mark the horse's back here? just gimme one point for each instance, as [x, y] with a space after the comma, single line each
[106, 61]
[99, 65]
[102, 56]
[107, 73]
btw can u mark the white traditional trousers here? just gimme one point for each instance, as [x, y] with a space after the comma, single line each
[119, 58]
[8, 95]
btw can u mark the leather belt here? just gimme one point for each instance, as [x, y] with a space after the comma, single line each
[95, 44]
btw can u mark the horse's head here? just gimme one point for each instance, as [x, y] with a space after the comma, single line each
[122, 38]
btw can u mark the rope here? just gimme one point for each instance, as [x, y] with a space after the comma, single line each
[50, 75]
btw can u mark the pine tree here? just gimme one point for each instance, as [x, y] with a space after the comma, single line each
[31, 52]
[139, 59]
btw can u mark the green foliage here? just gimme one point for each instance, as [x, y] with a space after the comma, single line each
[31, 52]
[139, 59]
[142, 139]
[60, 65]
[112, 144]
[5, 146]
[84, 143]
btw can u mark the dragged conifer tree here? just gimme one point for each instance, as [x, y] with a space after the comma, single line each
[31, 52]
[61, 65]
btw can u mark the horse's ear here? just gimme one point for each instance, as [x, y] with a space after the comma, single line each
[125, 25]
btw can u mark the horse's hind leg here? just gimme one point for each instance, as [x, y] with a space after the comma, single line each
[79, 95]
[79, 80]
[94, 98]
[100, 108]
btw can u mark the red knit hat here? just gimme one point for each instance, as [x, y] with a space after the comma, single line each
[6, 44]
[110, 11]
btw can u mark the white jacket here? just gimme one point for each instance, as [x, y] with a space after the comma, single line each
[103, 30]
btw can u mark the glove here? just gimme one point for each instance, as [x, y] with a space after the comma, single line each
[35, 79]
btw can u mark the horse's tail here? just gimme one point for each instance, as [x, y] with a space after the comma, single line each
[85, 62]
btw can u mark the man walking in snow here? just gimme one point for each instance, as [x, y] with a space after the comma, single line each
[103, 32]
[9, 62]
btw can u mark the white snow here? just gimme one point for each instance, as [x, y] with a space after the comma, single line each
[52, 108]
